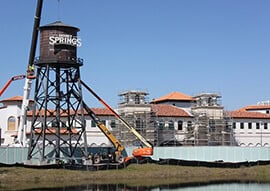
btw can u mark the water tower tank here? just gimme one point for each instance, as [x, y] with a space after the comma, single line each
[58, 45]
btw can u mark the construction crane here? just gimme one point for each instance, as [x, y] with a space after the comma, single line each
[147, 149]
[30, 75]
[14, 78]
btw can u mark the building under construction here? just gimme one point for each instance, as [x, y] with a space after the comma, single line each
[211, 125]
[135, 108]
[174, 120]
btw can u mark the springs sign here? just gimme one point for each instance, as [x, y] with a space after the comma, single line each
[65, 39]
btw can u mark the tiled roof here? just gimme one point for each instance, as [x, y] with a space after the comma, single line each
[247, 115]
[101, 111]
[255, 107]
[53, 131]
[174, 96]
[50, 112]
[168, 111]
[14, 98]
[50, 131]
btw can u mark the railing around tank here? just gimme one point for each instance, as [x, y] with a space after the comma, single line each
[58, 60]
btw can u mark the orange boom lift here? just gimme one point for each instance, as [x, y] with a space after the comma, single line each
[14, 78]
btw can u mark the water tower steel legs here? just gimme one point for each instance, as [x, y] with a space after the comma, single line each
[58, 123]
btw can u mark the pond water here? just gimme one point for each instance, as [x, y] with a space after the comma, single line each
[174, 187]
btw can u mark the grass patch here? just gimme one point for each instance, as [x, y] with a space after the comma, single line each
[13, 178]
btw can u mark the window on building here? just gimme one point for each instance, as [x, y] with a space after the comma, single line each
[139, 123]
[212, 125]
[11, 123]
[265, 125]
[171, 125]
[161, 124]
[241, 125]
[234, 125]
[180, 125]
[103, 122]
[54, 124]
[127, 98]
[113, 124]
[137, 99]
[63, 123]
[257, 125]
[249, 125]
[189, 126]
[93, 124]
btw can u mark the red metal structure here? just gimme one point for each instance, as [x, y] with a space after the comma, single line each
[14, 78]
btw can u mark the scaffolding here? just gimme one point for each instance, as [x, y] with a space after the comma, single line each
[212, 126]
[209, 125]
[136, 111]
[143, 124]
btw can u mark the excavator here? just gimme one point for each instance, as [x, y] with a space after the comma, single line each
[14, 78]
[145, 151]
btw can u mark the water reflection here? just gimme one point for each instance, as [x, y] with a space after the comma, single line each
[174, 187]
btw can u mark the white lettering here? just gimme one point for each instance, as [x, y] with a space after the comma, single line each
[52, 40]
[79, 43]
[65, 39]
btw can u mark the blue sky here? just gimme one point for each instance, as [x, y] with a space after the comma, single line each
[190, 46]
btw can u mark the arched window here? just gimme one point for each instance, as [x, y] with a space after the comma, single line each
[242, 144]
[93, 145]
[180, 125]
[11, 123]
[103, 145]
[258, 145]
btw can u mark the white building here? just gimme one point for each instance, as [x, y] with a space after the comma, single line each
[10, 115]
[251, 125]
[9, 121]
[175, 122]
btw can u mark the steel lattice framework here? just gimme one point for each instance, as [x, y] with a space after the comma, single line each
[58, 122]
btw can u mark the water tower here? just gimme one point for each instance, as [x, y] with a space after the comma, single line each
[58, 122]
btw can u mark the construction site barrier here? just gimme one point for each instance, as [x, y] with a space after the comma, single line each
[147, 160]
[11, 155]
[215, 164]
